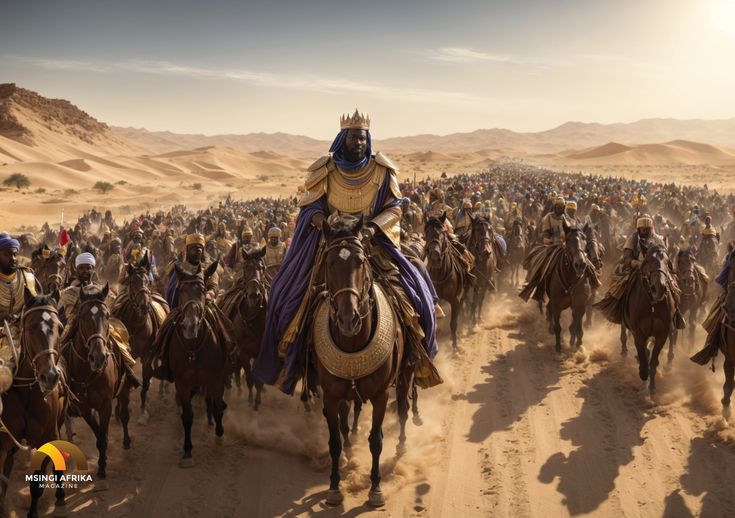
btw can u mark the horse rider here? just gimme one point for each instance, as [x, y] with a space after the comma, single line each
[634, 254]
[14, 279]
[84, 265]
[352, 180]
[275, 252]
[194, 259]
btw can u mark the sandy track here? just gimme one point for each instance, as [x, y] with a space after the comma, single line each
[513, 432]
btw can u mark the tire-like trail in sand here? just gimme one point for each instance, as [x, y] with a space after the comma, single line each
[514, 431]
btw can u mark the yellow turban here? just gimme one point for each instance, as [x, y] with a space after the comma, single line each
[195, 239]
[572, 205]
[644, 222]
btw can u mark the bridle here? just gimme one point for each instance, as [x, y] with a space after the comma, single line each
[354, 245]
[569, 265]
[25, 382]
[145, 290]
[103, 337]
[646, 276]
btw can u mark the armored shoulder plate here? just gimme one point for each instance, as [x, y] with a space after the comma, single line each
[385, 161]
[316, 172]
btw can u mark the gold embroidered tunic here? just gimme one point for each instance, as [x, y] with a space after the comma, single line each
[355, 192]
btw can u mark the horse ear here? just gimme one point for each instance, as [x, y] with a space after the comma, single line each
[55, 295]
[27, 295]
[105, 290]
[145, 262]
[210, 269]
[360, 223]
[178, 270]
[129, 269]
[443, 217]
[260, 253]
[325, 229]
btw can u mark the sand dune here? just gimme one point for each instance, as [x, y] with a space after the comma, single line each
[669, 153]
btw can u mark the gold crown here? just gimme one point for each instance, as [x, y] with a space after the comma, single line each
[357, 121]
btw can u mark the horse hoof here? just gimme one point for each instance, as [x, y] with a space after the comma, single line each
[60, 510]
[417, 420]
[219, 440]
[186, 462]
[401, 449]
[334, 497]
[126, 444]
[101, 485]
[376, 498]
[726, 411]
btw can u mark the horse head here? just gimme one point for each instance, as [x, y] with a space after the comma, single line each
[41, 331]
[192, 290]
[347, 273]
[139, 292]
[655, 272]
[435, 235]
[481, 238]
[50, 268]
[575, 247]
[254, 277]
[93, 324]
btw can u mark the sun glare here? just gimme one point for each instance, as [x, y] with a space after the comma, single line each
[723, 13]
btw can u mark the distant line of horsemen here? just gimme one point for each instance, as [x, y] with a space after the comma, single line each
[187, 293]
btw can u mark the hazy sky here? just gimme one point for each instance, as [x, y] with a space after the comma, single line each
[423, 66]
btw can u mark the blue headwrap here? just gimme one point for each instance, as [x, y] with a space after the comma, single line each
[341, 161]
[7, 241]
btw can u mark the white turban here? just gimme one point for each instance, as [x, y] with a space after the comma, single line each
[85, 258]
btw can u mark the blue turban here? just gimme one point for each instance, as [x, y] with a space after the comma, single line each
[341, 161]
[7, 241]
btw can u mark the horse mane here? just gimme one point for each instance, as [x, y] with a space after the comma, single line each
[39, 300]
[342, 225]
[93, 291]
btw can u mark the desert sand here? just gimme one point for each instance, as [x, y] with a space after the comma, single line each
[513, 431]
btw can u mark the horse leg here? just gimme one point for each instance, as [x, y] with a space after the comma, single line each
[343, 412]
[658, 345]
[729, 368]
[147, 375]
[95, 426]
[218, 407]
[415, 405]
[187, 418]
[624, 340]
[380, 402]
[36, 489]
[641, 346]
[60, 495]
[105, 412]
[453, 323]
[331, 409]
[6, 459]
[249, 379]
[123, 403]
[356, 417]
[210, 409]
[577, 318]
[549, 317]
[402, 388]
[588, 310]
[693, 314]
[258, 390]
[238, 381]
[556, 316]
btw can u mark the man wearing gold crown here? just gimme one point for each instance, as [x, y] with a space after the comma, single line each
[350, 179]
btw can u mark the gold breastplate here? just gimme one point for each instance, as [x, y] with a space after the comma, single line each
[357, 195]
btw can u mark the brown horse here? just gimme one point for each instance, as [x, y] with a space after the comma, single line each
[245, 305]
[97, 374]
[33, 408]
[693, 293]
[134, 307]
[481, 244]
[649, 311]
[569, 287]
[196, 354]
[516, 251]
[355, 322]
[445, 269]
[727, 339]
[50, 271]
